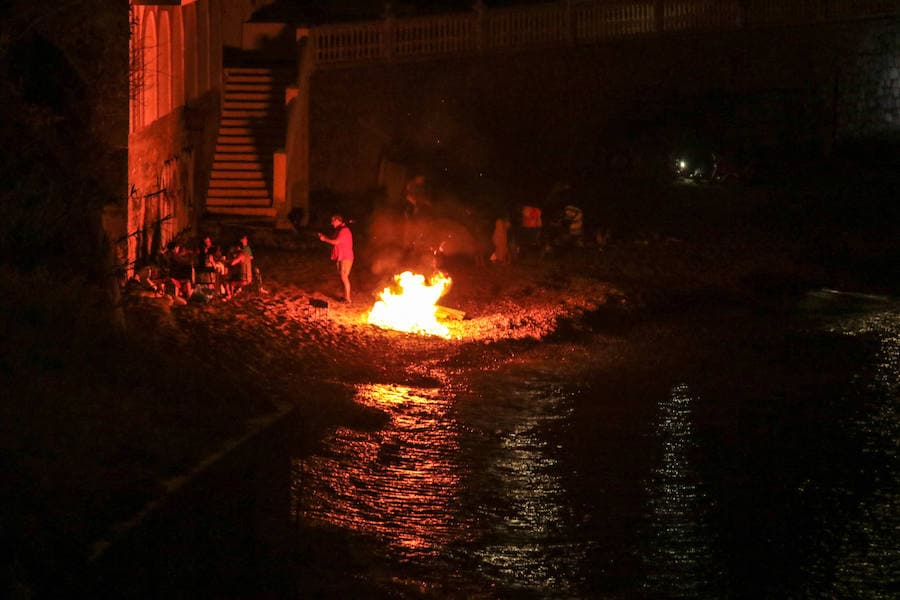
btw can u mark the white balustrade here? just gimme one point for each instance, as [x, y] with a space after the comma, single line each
[566, 23]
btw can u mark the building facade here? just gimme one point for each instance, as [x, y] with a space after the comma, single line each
[177, 50]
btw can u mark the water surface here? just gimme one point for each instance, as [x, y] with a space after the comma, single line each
[735, 453]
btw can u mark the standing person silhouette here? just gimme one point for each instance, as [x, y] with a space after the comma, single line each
[242, 260]
[500, 238]
[342, 251]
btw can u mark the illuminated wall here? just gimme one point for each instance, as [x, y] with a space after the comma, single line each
[177, 49]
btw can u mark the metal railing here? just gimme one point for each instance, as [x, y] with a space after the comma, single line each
[572, 22]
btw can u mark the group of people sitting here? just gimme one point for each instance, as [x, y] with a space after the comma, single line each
[205, 272]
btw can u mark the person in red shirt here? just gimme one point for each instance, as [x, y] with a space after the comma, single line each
[531, 230]
[341, 251]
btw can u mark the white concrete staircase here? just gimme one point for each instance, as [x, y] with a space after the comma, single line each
[251, 129]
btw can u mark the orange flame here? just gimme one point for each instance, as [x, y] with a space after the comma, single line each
[414, 308]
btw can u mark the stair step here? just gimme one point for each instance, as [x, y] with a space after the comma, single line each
[233, 134]
[253, 83]
[237, 201]
[232, 184]
[252, 70]
[244, 113]
[238, 140]
[225, 188]
[273, 95]
[234, 175]
[244, 72]
[250, 76]
[266, 107]
[240, 153]
[243, 165]
[268, 98]
[252, 133]
[249, 211]
[240, 148]
[253, 127]
[251, 157]
[248, 196]
[240, 133]
[257, 137]
[261, 78]
[267, 87]
[273, 122]
[257, 80]
[228, 151]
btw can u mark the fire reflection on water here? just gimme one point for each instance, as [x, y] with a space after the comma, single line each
[454, 480]
[398, 483]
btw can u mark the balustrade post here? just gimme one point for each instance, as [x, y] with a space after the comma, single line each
[569, 23]
[659, 15]
[480, 25]
[389, 32]
[741, 14]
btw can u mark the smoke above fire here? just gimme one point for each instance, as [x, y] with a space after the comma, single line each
[397, 242]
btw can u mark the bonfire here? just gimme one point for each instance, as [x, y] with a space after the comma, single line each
[411, 305]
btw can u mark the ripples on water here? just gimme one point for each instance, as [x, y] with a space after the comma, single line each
[482, 495]
[863, 553]
[680, 561]
[523, 521]
[398, 483]
[496, 487]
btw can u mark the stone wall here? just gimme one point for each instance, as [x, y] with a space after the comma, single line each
[868, 85]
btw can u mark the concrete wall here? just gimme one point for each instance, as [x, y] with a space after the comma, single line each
[533, 117]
